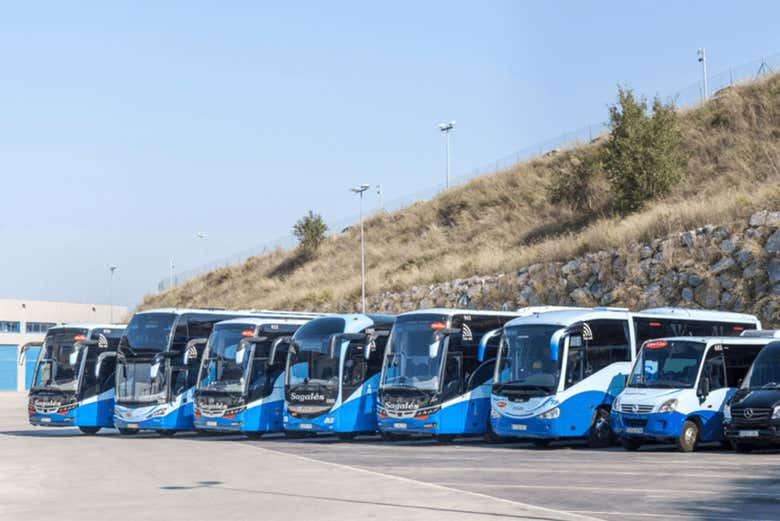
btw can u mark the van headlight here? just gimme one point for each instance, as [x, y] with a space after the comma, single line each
[551, 414]
[616, 404]
[668, 406]
[727, 413]
[776, 413]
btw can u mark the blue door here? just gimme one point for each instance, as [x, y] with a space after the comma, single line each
[31, 356]
[7, 368]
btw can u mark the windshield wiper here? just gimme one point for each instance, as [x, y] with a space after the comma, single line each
[770, 385]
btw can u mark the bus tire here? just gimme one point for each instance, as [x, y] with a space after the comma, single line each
[127, 432]
[391, 436]
[630, 444]
[600, 435]
[445, 438]
[541, 444]
[89, 430]
[254, 435]
[295, 435]
[742, 448]
[345, 436]
[166, 433]
[491, 436]
[689, 437]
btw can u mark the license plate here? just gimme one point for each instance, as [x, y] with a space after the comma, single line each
[748, 434]
[211, 424]
[132, 425]
[519, 427]
[634, 430]
[399, 425]
[45, 420]
[305, 426]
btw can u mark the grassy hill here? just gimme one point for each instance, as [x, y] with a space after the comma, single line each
[502, 222]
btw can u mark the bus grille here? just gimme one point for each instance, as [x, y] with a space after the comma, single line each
[634, 422]
[632, 408]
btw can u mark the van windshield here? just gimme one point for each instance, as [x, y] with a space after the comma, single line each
[667, 364]
[765, 371]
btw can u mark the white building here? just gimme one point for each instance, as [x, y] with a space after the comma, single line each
[23, 321]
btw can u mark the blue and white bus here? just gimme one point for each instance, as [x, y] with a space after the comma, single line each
[66, 391]
[437, 373]
[558, 372]
[157, 364]
[332, 375]
[678, 387]
[239, 389]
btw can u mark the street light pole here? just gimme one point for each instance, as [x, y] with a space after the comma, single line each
[112, 269]
[446, 128]
[359, 190]
[702, 54]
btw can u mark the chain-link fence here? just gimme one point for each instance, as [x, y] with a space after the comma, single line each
[684, 98]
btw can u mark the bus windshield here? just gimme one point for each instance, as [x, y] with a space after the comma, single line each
[765, 371]
[219, 370]
[149, 331]
[667, 364]
[408, 361]
[309, 361]
[527, 361]
[57, 369]
[135, 383]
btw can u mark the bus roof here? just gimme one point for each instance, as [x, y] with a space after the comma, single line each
[699, 314]
[243, 312]
[710, 340]
[84, 325]
[453, 311]
[261, 321]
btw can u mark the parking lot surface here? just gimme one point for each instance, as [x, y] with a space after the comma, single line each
[61, 474]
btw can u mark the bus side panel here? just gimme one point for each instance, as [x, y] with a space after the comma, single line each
[358, 412]
[97, 411]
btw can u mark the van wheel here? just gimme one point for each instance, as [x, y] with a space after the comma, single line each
[128, 432]
[600, 435]
[689, 437]
[742, 448]
[541, 444]
[167, 433]
[345, 436]
[629, 444]
[89, 430]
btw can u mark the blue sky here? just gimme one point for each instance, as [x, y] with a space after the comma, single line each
[125, 128]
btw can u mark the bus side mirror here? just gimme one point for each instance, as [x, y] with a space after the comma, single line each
[25, 348]
[275, 346]
[704, 387]
[484, 342]
[244, 344]
[77, 347]
[372, 335]
[433, 348]
[191, 351]
[335, 339]
[99, 362]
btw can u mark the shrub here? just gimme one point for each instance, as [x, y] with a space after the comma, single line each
[310, 232]
[579, 184]
[644, 157]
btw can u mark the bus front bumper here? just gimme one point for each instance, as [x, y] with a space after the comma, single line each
[219, 423]
[66, 419]
[156, 417]
[325, 423]
[659, 426]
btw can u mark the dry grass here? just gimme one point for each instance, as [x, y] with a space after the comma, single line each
[502, 222]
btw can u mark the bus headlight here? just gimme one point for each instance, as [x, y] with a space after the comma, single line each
[616, 404]
[328, 420]
[727, 413]
[668, 406]
[776, 413]
[551, 414]
[494, 414]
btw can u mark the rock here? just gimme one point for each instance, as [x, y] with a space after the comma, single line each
[707, 294]
[645, 252]
[773, 243]
[687, 294]
[728, 246]
[773, 270]
[694, 280]
[722, 265]
[726, 282]
[743, 257]
[775, 289]
[607, 299]
[773, 219]
[580, 297]
[758, 218]
[688, 239]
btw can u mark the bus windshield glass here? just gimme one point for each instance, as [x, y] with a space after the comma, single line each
[56, 369]
[309, 359]
[135, 383]
[765, 371]
[219, 369]
[667, 364]
[408, 361]
[527, 361]
[149, 332]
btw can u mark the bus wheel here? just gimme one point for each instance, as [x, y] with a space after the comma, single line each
[689, 437]
[445, 438]
[254, 435]
[491, 436]
[391, 436]
[345, 436]
[600, 432]
[89, 430]
[295, 435]
[629, 444]
[127, 432]
[166, 432]
[742, 448]
[541, 444]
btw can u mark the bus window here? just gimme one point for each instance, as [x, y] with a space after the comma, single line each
[714, 369]
[738, 360]
[609, 344]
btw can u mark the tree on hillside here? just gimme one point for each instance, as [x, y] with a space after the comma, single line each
[644, 157]
[310, 232]
[579, 184]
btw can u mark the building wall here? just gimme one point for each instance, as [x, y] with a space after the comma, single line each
[36, 312]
